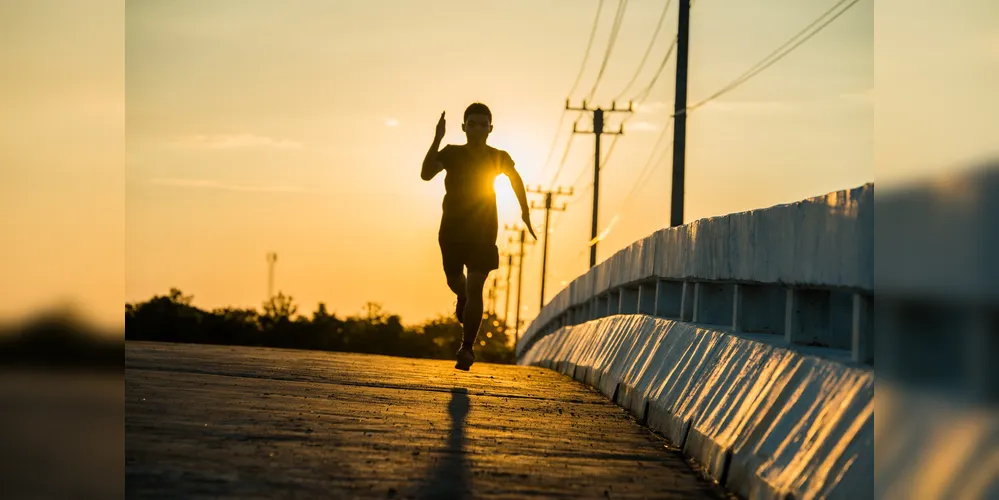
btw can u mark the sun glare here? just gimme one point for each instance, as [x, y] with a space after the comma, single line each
[526, 155]
[507, 205]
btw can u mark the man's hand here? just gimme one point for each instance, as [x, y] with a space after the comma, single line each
[526, 217]
[441, 127]
[431, 165]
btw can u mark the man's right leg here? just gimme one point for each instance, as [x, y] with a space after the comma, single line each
[453, 257]
[473, 318]
[483, 259]
[473, 308]
[457, 282]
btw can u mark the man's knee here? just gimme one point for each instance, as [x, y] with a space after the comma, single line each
[476, 281]
[455, 281]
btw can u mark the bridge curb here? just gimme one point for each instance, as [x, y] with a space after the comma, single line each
[765, 419]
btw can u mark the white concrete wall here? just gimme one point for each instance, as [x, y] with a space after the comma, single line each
[764, 419]
[824, 242]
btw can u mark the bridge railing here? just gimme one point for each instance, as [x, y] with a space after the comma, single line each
[803, 271]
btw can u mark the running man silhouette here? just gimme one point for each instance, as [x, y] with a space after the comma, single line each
[469, 222]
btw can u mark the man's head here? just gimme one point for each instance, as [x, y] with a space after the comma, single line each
[478, 123]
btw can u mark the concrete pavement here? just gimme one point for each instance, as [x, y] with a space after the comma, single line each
[239, 422]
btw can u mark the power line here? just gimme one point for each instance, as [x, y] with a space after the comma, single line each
[777, 55]
[558, 133]
[565, 155]
[603, 163]
[641, 96]
[589, 45]
[644, 93]
[618, 17]
[649, 167]
[640, 182]
[586, 189]
[579, 77]
[648, 50]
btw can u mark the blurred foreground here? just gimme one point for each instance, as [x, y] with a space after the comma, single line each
[937, 338]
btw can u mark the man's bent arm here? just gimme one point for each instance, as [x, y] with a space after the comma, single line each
[518, 187]
[431, 165]
[525, 210]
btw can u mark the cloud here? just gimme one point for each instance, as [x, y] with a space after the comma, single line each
[210, 184]
[641, 127]
[751, 106]
[391, 122]
[862, 98]
[652, 107]
[236, 141]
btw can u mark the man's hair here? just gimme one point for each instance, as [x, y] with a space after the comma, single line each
[477, 108]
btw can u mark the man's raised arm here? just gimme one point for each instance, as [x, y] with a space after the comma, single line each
[431, 165]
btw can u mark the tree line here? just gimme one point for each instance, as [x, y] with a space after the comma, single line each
[174, 318]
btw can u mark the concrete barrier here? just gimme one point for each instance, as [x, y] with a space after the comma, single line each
[767, 419]
[719, 354]
[745, 340]
[802, 270]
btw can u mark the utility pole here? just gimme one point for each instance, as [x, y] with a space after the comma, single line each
[598, 129]
[271, 259]
[547, 207]
[491, 305]
[506, 302]
[520, 278]
[490, 291]
[680, 116]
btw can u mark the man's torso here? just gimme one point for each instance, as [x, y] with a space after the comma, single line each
[469, 208]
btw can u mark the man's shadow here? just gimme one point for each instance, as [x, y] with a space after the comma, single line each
[449, 477]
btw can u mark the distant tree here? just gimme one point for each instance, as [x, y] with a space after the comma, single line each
[169, 317]
[174, 318]
[280, 307]
[177, 297]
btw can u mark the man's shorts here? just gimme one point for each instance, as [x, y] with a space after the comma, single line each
[481, 257]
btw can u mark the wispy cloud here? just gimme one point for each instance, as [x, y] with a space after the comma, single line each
[235, 141]
[652, 107]
[210, 184]
[391, 122]
[862, 98]
[642, 127]
[751, 106]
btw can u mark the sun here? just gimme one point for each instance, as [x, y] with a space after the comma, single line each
[507, 206]
[527, 155]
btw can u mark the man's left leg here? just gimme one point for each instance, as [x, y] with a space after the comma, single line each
[481, 261]
[453, 256]
[474, 283]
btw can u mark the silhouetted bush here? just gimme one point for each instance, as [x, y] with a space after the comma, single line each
[173, 318]
[60, 339]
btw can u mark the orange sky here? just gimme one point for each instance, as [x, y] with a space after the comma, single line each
[298, 127]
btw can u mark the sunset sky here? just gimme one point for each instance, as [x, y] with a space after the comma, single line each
[298, 127]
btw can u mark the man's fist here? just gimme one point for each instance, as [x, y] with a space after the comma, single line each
[440, 128]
